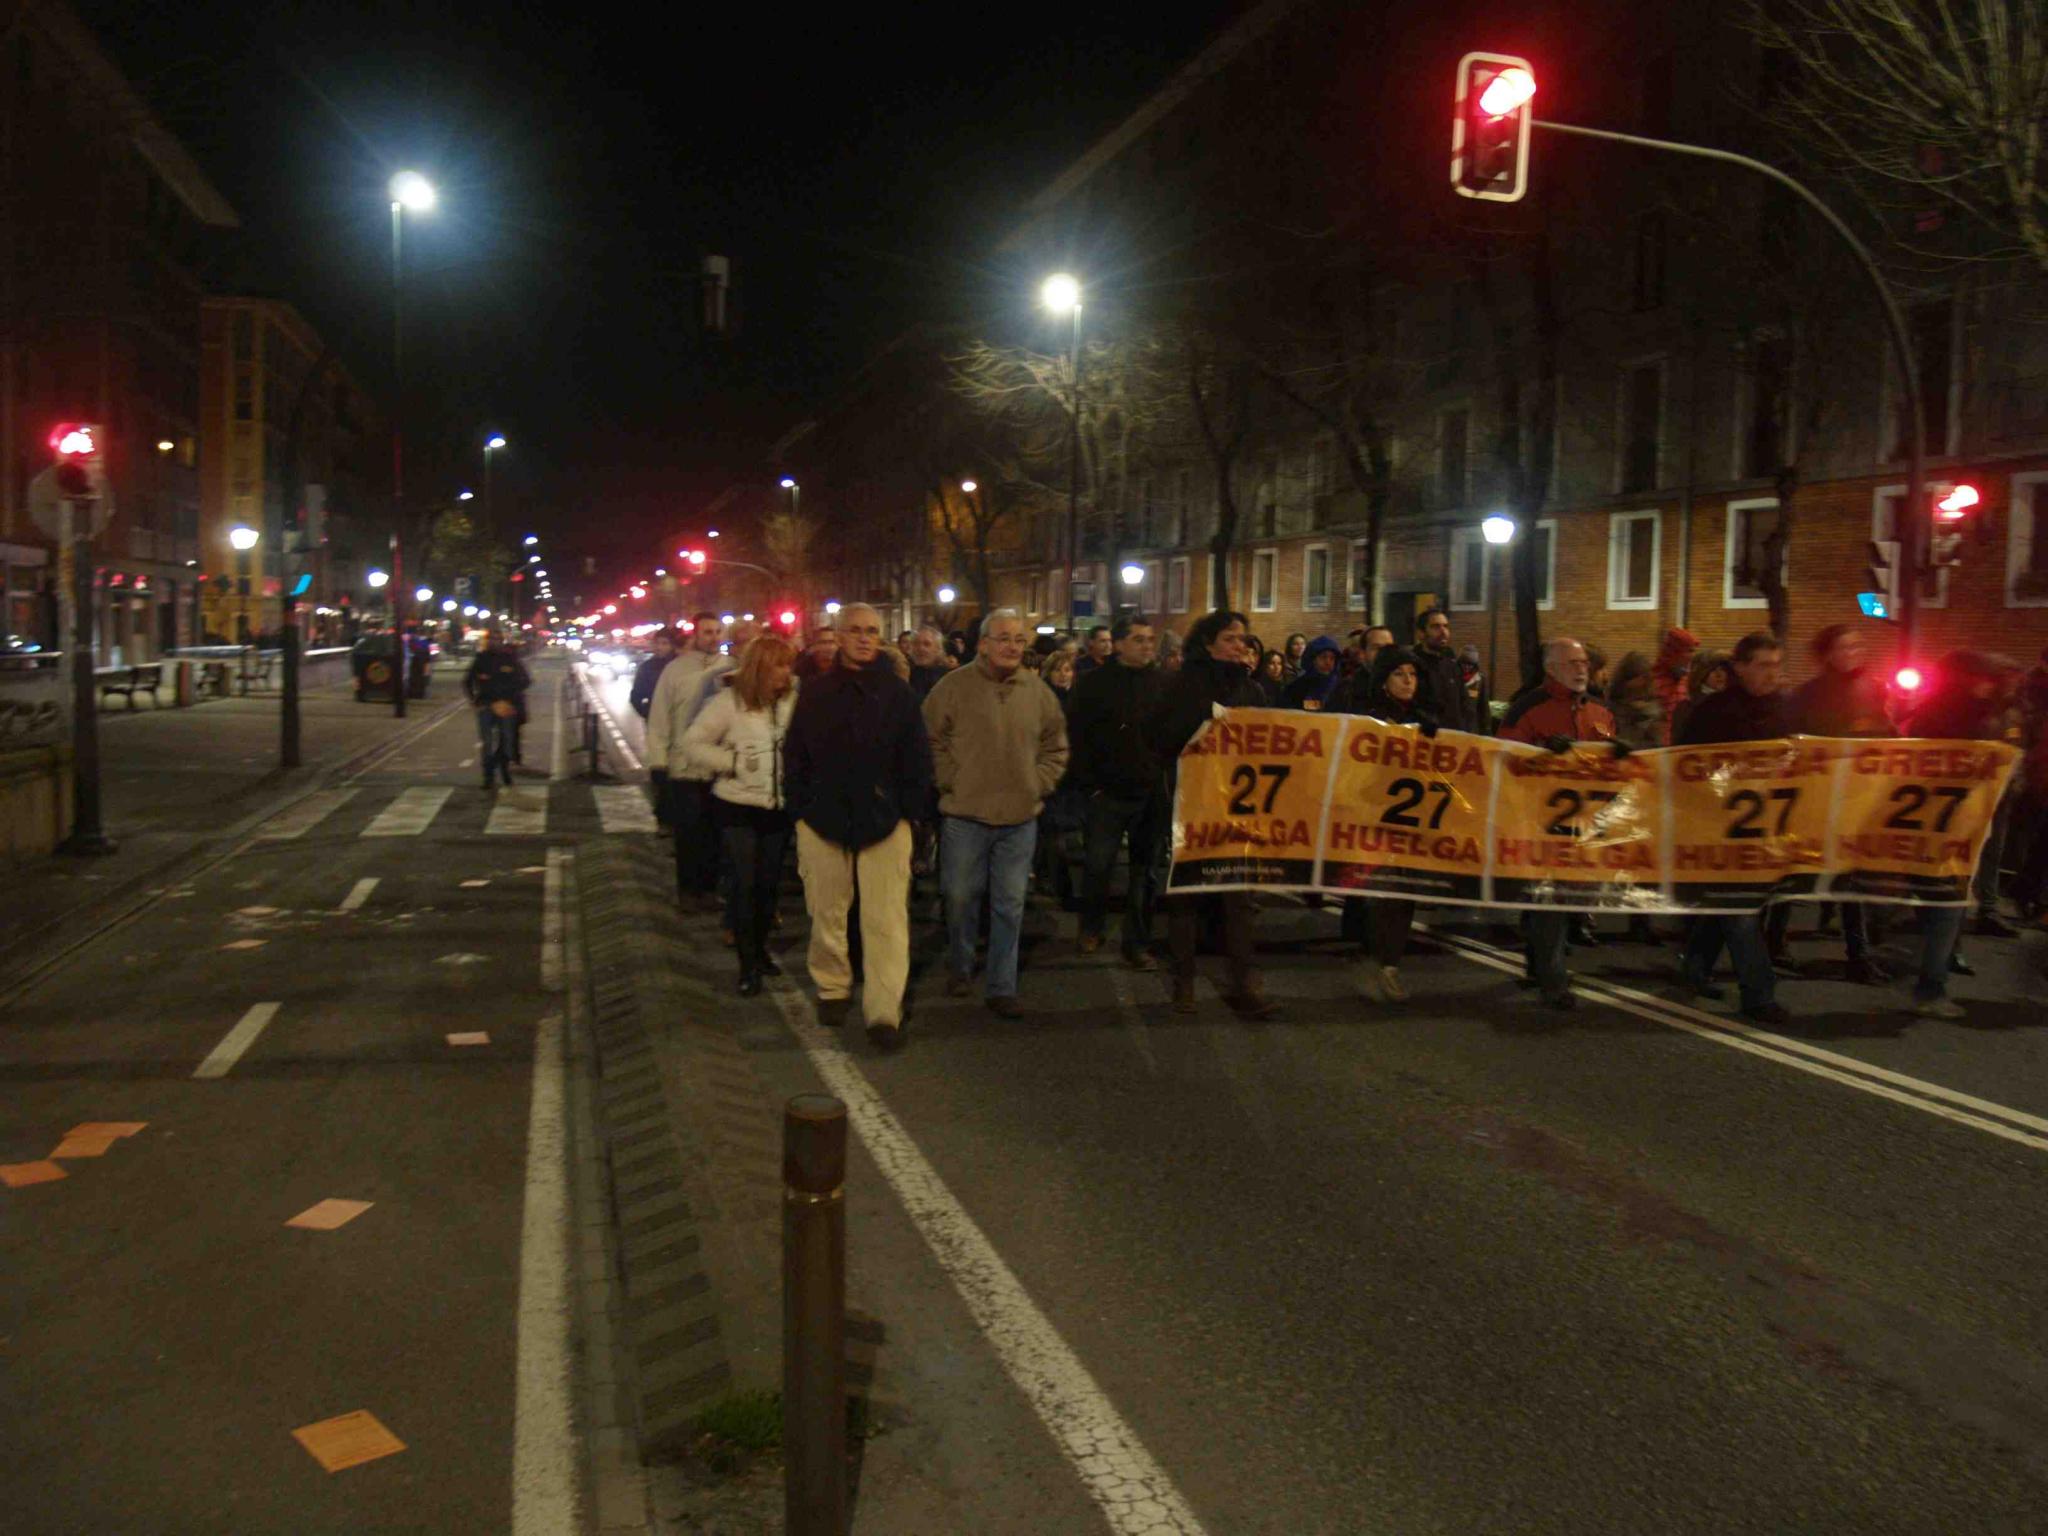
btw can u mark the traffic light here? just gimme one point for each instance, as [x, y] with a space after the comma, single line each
[695, 559]
[80, 474]
[1908, 679]
[1490, 127]
[787, 619]
[1953, 511]
[1883, 582]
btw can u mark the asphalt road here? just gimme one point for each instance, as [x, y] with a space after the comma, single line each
[1459, 1266]
[163, 1332]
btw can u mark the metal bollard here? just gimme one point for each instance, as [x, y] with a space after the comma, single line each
[814, 1315]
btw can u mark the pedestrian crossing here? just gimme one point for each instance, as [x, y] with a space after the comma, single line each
[535, 810]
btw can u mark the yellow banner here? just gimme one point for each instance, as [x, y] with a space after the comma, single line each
[1280, 799]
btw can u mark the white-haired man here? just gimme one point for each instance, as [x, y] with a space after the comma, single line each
[999, 747]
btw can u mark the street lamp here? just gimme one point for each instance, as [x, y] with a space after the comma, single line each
[491, 445]
[377, 579]
[465, 495]
[1497, 530]
[531, 538]
[946, 596]
[1132, 575]
[969, 486]
[1061, 295]
[409, 190]
[423, 594]
[831, 607]
[447, 605]
[795, 491]
[244, 538]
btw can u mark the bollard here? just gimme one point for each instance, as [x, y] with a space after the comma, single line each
[814, 1315]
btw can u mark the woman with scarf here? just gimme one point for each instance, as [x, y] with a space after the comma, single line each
[1393, 696]
[1318, 678]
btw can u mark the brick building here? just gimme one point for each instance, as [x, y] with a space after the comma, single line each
[1711, 353]
[105, 222]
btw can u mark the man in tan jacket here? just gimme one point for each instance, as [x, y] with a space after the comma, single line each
[999, 747]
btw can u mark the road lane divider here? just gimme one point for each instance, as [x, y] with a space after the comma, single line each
[359, 893]
[411, 813]
[222, 1058]
[1995, 1119]
[1133, 1491]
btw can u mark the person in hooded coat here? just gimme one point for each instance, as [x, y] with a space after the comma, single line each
[1380, 922]
[1318, 678]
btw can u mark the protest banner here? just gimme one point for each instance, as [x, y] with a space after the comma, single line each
[1348, 805]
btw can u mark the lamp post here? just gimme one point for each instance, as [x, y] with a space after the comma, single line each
[1499, 531]
[244, 539]
[491, 445]
[411, 190]
[1062, 295]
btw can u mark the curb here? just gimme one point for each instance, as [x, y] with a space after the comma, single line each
[675, 1350]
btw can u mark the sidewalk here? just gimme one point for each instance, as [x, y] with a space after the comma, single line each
[173, 783]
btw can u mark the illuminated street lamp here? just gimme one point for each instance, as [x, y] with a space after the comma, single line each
[465, 495]
[377, 579]
[1497, 529]
[969, 486]
[946, 595]
[447, 605]
[1133, 575]
[244, 538]
[531, 538]
[423, 594]
[831, 607]
[409, 191]
[1062, 295]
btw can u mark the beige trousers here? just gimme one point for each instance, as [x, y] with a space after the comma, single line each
[830, 874]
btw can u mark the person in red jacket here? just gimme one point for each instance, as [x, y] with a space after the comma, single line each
[1555, 715]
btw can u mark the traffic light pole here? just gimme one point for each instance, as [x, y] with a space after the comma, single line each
[1912, 535]
[87, 834]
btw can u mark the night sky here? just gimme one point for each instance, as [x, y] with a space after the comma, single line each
[856, 164]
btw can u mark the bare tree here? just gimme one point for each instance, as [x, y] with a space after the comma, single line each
[1922, 107]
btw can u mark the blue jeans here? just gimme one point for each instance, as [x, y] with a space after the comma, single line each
[1940, 927]
[977, 860]
[494, 734]
[1743, 937]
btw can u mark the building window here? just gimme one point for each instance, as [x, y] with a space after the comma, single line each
[1315, 576]
[1634, 550]
[2026, 543]
[1749, 524]
[1148, 589]
[1469, 569]
[1360, 598]
[1885, 502]
[1451, 487]
[1642, 426]
[1265, 572]
[1177, 585]
[1766, 412]
[1933, 331]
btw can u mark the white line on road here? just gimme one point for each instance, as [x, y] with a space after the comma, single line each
[1132, 1490]
[545, 1492]
[307, 814]
[551, 922]
[623, 808]
[558, 754]
[604, 713]
[222, 1058]
[1930, 1098]
[410, 814]
[519, 813]
[358, 893]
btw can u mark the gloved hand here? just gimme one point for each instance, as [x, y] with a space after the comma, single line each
[1427, 727]
[1621, 748]
[1557, 743]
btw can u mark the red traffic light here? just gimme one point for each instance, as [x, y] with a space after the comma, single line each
[1908, 679]
[1490, 127]
[75, 440]
[696, 557]
[1957, 504]
[788, 619]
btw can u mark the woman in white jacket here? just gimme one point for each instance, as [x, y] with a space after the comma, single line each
[736, 740]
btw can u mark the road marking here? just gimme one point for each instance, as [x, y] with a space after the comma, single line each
[306, 815]
[1881, 1082]
[359, 893]
[237, 1040]
[1132, 1490]
[551, 921]
[623, 808]
[604, 713]
[519, 813]
[410, 814]
[545, 1494]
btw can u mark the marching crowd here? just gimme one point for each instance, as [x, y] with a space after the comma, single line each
[974, 757]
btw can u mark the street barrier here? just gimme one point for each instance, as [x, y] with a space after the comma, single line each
[1346, 805]
[814, 1315]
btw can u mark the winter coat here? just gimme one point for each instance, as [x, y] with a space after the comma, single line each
[1669, 673]
[1550, 709]
[1371, 696]
[645, 676]
[1106, 730]
[1840, 704]
[856, 759]
[999, 744]
[739, 749]
[495, 676]
[678, 695]
[1442, 690]
[1191, 697]
[1732, 715]
[1312, 689]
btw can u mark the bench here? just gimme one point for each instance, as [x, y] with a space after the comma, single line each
[129, 681]
[257, 668]
[213, 680]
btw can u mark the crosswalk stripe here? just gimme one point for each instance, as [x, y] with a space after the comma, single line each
[306, 815]
[519, 813]
[623, 808]
[410, 814]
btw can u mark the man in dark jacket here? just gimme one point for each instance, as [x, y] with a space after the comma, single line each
[1123, 793]
[1215, 672]
[648, 673]
[1751, 710]
[858, 774]
[927, 655]
[1318, 679]
[1443, 681]
[495, 685]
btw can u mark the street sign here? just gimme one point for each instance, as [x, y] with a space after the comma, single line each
[1873, 605]
[46, 506]
[1082, 603]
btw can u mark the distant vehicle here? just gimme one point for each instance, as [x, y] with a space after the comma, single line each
[17, 653]
[371, 661]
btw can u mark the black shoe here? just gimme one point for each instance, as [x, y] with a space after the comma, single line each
[1787, 967]
[1560, 999]
[1991, 926]
[1959, 964]
[1004, 1007]
[768, 966]
[885, 1037]
[1583, 936]
[832, 1011]
[750, 984]
[1699, 986]
[1868, 972]
[1768, 1013]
